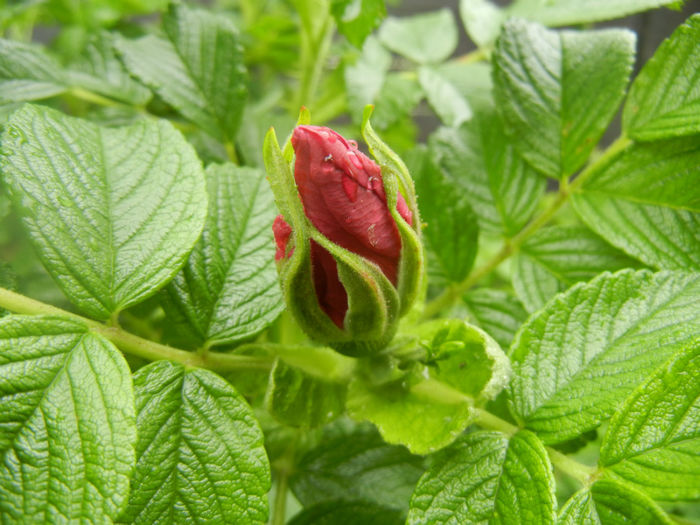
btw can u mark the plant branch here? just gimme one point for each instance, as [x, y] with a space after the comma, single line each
[135, 345]
[284, 467]
[453, 292]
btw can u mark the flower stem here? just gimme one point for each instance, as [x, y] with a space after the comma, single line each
[135, 345]
[453, 292]
[284, 467]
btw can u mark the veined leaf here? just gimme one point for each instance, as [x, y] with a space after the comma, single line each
[357, 465]
[200, 454]
[364, 78]
[481, 161]
[198, 70]
[228, 289]
[611, 503]
[487, 478]
[556, 258]
[498, 313]
[653, 441]
[443, 97]
[558, 90]
[356, 19]
[426, 38]
[396, 100]
[664, 99]
[580, 356]
[67, 423]
[112, 212]
[646, 202]
[28, 72]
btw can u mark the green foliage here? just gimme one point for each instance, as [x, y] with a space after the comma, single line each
[153, 365]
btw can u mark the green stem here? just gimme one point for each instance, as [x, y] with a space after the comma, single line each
[314, 51]
[284, 467]
[453, 292]
[231, 151]
[135, 345]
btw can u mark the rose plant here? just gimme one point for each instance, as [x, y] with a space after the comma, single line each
[219, 308]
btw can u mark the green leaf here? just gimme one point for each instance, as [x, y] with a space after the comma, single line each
[300, 400]
[348, 513]
[357, 465]
[100, 70]
[356, 19]
[199, 70]
[451, 230]
[67, 423]
[112, 212]
[200, 454]
[579, 357]
[611, 503]
[396, 100]
[539, 80]
[481, 161]
[646, 201]
[426, 38]
[228, 289]
[664, 99]
[498, 313]
[653, 441]
[28, 72]
[443, 97]
[487, 478]
[556, 258]
[482, 20]
[364, 78]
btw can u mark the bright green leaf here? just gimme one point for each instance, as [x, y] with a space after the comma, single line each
[199, 70]
[451, 230]
[481, 161]
[67, 423]
[558, 90]
[356, 19]
[556, 258]
[364, 78]
[200, 454]
[487, 478]
[482, 20]
[653, 441]
[300, 400]
[664, 99]
[344, 512]
[426, 38]
[357, 465]
[646, 202]
[100, 70]
[228, 289]
[611, 503]
[579, 357]
[112, 212]
[396, 100]
[498, 313]
[471, 79]
[443, 97]
[28, 72]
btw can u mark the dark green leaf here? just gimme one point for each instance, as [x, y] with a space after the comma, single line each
[580, 356]
[556, 258]
[451, 230]
[348, 513]
[558, 90]
[611, 503]
[112, 212]
[28, 72]
[426, 38]
[301, 400]
[646, 202]
[664, 99]
[498, 313]
[199, 70]
[501, 188]
[228, 289]
[356, 19]
[200, 454]
[487, 478]
[67, 423]
[357, 465]
[653, 441]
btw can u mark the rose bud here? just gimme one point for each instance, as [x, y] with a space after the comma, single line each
[341, 241]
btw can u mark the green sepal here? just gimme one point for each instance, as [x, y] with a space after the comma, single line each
[395, 177]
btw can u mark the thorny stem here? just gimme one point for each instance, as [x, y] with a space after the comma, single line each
[510, 246]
